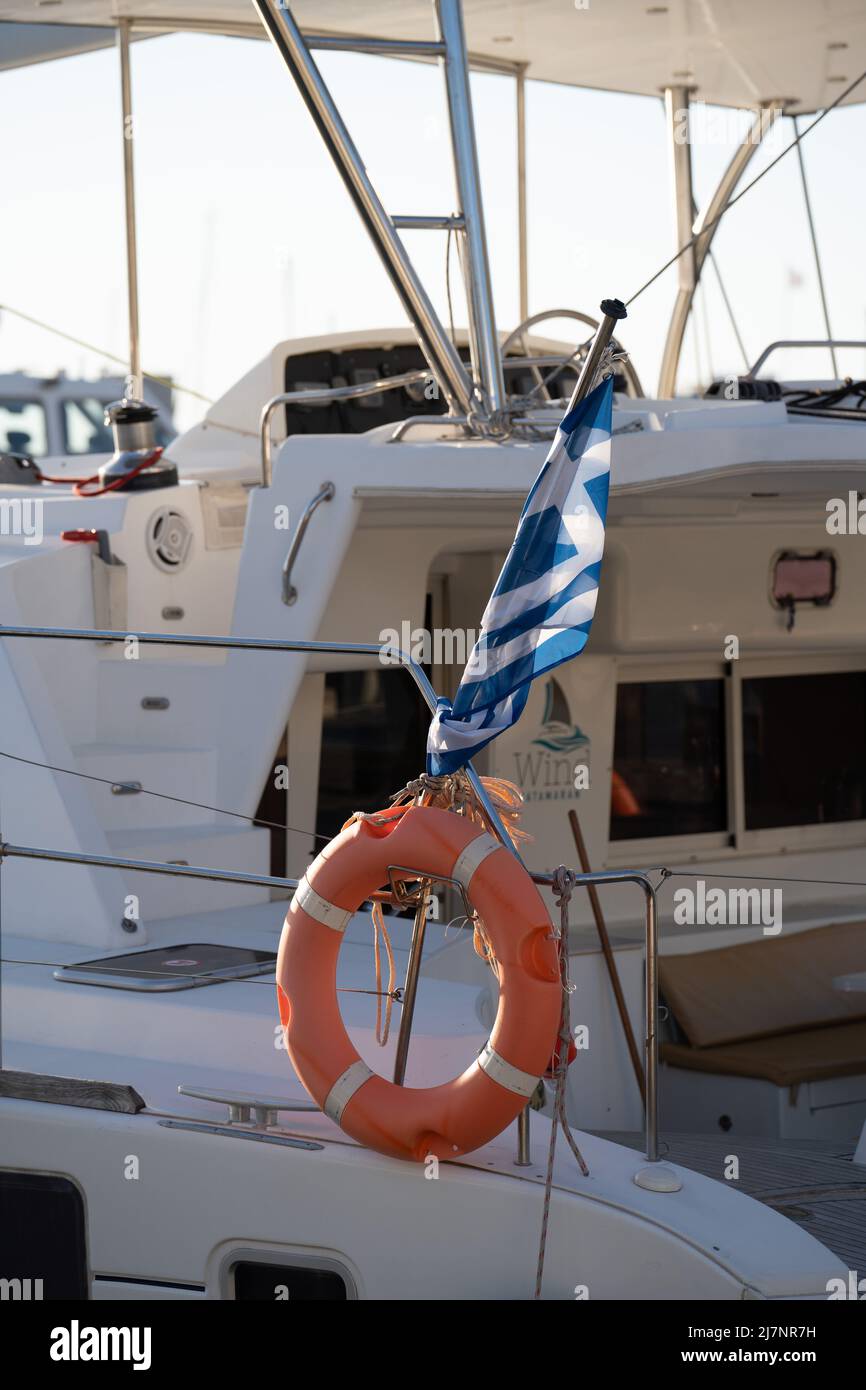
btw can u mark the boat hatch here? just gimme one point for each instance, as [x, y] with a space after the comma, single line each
[187, 966]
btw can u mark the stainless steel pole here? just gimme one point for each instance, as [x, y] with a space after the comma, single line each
[123, 30]
[651, 1009]
[410, 988]
[144, 866]
[651, 999]
[704, 229]
[815, 251]
[522, 243]
[479, 289]
[523, 1157]
[445, 363]
[612, 310]
[677, 116]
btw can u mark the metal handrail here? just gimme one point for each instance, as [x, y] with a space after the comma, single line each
[325, 493]
[324, 395]
[143, 866]
[802, 343]
[269, 644]
[599, 877]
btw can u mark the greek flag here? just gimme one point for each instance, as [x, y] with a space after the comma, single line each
[542, 607]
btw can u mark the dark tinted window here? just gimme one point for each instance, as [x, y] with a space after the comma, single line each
[374, 735]
[804, 743]
[43, 1245]
[669, 759]
[265, 1282]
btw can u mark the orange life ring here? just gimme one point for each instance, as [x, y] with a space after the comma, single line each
[462, 1114]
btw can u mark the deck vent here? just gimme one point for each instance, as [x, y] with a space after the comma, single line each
[169, 539]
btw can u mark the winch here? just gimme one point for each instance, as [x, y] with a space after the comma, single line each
[132, 426]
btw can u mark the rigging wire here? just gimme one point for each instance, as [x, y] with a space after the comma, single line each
[298, 830]
[727, 303]
[815, 252]
[756, 878]
[714, 222]
[395, 995]
[189, 391]
[123, 362]
[164, 796]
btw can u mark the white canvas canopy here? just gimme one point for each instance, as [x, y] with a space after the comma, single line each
[730, 52]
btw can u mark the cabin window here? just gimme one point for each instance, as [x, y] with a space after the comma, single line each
[23, 429]
[374, 737]
[44, 1238]
[84, 427]
[283, 1283]
[669, 760]
[804, 745]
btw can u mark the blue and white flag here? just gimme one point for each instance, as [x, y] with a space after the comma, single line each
[542, 607]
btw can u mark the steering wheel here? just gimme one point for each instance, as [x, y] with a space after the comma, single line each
[516, 336]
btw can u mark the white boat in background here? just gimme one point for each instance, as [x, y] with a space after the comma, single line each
[196, 695]
[63, 417]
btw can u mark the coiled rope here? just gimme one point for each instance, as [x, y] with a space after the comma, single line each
[449, 792]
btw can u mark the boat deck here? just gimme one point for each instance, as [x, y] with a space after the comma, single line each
[811, 1181]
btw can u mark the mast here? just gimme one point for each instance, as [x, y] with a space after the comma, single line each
[136, 383]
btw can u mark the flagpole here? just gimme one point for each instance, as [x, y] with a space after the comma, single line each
[612, 311]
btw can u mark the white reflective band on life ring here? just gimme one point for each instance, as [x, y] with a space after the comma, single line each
[308, 900]
[474, 854]
[504, 1074]
[344, 1088]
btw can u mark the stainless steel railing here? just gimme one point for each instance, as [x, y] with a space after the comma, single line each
[801, 343]
[327, 395]
[599, 877]
[267, 644]
[289, 590]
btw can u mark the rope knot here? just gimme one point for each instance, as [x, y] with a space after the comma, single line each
[563, 886]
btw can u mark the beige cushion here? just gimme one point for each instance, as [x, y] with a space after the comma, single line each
[782, 984]
[818, 1054]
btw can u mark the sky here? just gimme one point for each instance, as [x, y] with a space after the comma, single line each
[247, 235]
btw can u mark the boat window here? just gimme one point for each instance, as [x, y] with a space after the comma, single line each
[298, 1283]
[374, 735]
[23, 428]
[355, 367]
[84, 427]
[783, 719]
[44, 1238]
[669, 760]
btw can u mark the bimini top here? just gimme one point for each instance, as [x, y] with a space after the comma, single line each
[731, 52]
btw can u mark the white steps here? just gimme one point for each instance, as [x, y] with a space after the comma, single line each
[234, 847]
[191, 687]
[186, 773]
